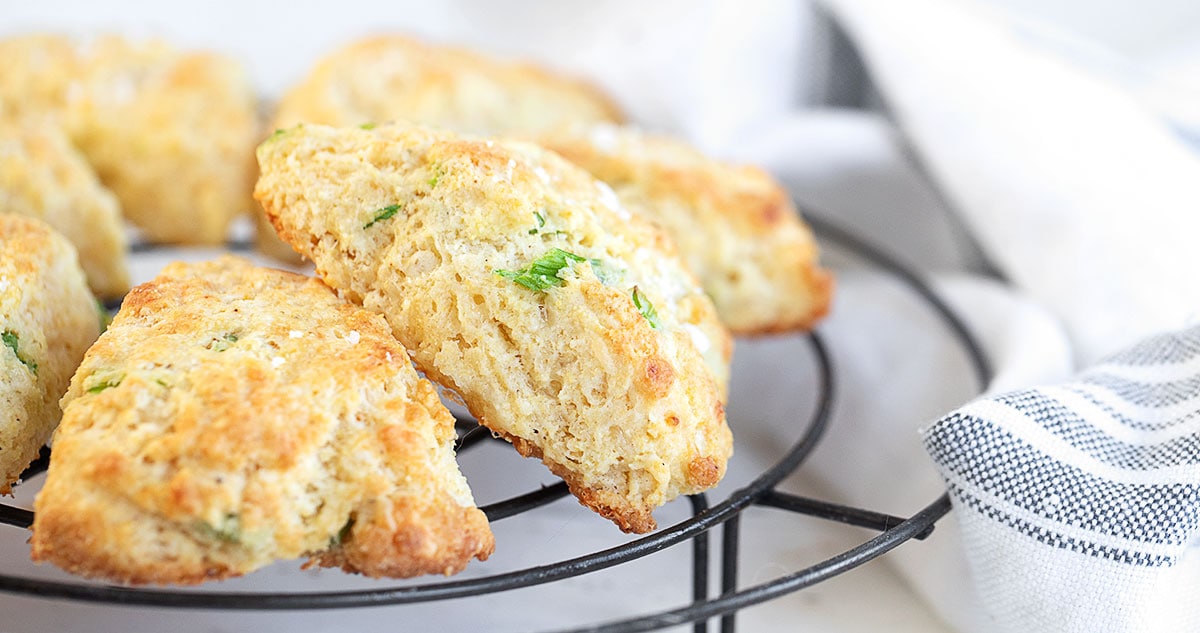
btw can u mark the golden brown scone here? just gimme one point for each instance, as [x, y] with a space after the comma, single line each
[47, 320]
[43, 176]
[38, 70]
[231, 416]
[389, 78]
[567, 325]
[172, 133]
[735, 226]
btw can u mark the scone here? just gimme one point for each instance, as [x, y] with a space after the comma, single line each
[735, 226]
[38, 72]
[43, 176]
[567, 325]
[47, 320]
[232, 416]
[388, 78]
[170, 132]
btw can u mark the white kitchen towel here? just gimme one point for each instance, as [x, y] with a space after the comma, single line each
[1079, 504]
[1078, 191]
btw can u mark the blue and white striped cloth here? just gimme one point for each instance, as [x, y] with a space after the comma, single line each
[1079, 503]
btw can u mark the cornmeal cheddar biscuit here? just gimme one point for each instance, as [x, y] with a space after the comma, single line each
[43, 176]
[232, 416]
[170, 132]
[388, 78]
[567, 325]
[47, 320]
[735, 226]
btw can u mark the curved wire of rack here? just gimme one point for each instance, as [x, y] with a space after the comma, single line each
[761, 491]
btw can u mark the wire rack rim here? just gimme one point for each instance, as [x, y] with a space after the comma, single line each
[682, 531]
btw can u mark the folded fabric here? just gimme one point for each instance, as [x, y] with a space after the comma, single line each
[1081, 195]
[1080, 503]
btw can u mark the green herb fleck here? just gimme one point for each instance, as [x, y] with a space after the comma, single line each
[438, 172]
[104, 318]
[223, 343]
[542, 273]
[606, 272]
[368, 126]
[107, 384]
[340, 537]
[228, 531]
[11, 341]
[643, 305]
[383, 214]
[276, 134]
[541, 221]
[162, 383]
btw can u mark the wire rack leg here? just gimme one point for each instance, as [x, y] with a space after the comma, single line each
[729, 568]
[699, 562]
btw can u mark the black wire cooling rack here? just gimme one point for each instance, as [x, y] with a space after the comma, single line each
[893, 531]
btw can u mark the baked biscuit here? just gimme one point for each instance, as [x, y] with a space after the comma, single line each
[231, 416]
[47, 320]
[38, 71]
[172, 133]
[388, 78]
[43, 176]
[735, 226]
[567, 325]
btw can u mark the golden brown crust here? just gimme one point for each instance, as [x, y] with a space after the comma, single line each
[48, 318]
[415, 224]
[390, 78]
[232, 416]
[171, 133]
[43, 176]
[735, 226]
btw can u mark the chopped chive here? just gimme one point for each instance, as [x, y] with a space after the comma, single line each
[542, 274]
[12, 341]
[541, 221]
[643, 305]
[368, 126]
[606, 272]
[229, 530]
[383, 214]
[104, 318]
[223, 343]
[107, 384]
[340, 537]
[438, 172]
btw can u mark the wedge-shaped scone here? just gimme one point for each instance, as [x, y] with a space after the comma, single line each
[171, 132]
[389, 78]
[47, 320]
[567, 325]
[231, 416]
[735, 226]
[36, 72]
[43, 176]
